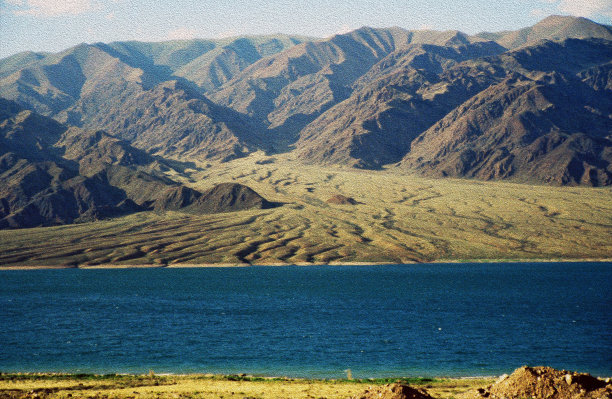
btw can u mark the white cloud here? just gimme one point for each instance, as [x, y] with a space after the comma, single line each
[182, 33]
[426, 27]
[586, 8]
[227, 33]
[54, 8]
[538, 12]
[341, 31]
[344, 29]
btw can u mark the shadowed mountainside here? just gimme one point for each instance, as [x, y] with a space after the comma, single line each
[400, 97]
[287, 91]
[170, 119]
[42, 187]
[546, 117]
[128, 88]
[53, 174]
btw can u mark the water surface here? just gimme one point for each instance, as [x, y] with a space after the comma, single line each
[396, 320]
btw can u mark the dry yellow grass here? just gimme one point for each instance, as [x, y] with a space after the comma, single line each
[194, 386]
[400, 218]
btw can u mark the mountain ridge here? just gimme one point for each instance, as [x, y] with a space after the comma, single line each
[54, 174]
[367, 98]
[528, 125]
[553, 27]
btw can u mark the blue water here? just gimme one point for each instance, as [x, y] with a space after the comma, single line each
[416, 320]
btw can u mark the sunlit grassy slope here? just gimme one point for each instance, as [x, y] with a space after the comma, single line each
[400, 218]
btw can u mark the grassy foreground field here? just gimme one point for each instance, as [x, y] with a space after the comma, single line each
[400, 218]
[207, 386]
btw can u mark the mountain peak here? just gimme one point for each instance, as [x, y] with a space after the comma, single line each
[554, 27]
[557, 19]
[582, 26]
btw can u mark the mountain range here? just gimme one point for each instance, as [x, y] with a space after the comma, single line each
[100, 124]
[53, 174]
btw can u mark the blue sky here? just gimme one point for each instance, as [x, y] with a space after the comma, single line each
[53, 25]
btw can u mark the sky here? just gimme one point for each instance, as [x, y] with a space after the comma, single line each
[54, 25]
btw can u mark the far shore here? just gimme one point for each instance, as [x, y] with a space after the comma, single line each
[222, 265]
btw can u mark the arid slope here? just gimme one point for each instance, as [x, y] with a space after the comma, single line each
[398, 218]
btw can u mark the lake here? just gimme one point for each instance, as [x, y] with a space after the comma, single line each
[315, 321]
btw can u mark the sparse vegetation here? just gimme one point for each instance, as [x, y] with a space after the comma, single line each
[400, 218]
[205, 386]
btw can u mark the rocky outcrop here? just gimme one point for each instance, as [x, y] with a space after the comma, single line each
[225, 197]
[340, 199]
[545, 383]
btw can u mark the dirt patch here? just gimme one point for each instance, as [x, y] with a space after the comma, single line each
[394, 391]
[342, 200]
[545, 382]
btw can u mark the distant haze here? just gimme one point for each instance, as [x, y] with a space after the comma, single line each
[53, 25]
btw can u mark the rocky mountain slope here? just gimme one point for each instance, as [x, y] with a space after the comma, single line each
[208, 63]
[288, 91]
[54, 174]
[410, 90]
[488, 106]
[170, 119]
[399, 98]
[547, 118]
[38, 186]
[130, 87]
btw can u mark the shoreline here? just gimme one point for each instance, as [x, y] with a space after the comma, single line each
[244, 376]
[301, 264]
[256, 377]
[242, 386]
[423, 378]
[210, 386]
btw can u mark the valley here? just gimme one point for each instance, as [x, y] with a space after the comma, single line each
[398, 218]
